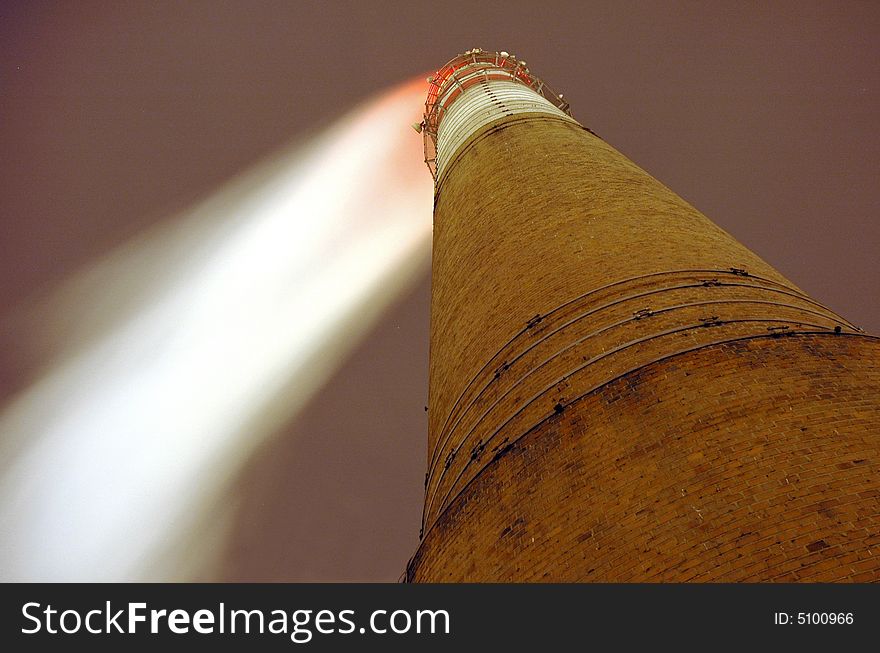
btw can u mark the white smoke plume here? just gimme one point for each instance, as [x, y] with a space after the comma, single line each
[198, 339]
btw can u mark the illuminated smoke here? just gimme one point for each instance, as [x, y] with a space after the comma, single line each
[199, 339]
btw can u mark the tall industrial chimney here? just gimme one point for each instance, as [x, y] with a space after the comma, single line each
[619, 390]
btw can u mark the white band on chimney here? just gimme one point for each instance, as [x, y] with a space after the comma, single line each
[482, 104]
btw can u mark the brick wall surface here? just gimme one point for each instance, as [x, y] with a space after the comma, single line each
[621, 391]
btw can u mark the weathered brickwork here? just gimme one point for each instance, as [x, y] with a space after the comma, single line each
[621, 391]
[750, 460]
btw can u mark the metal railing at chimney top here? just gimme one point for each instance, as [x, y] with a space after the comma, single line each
[468, 69]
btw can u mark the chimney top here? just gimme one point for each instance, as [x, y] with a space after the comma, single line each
[465, 70]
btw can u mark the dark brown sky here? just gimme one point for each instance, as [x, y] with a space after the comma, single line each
[116, 114]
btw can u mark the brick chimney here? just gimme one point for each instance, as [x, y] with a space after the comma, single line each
[619, 390]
